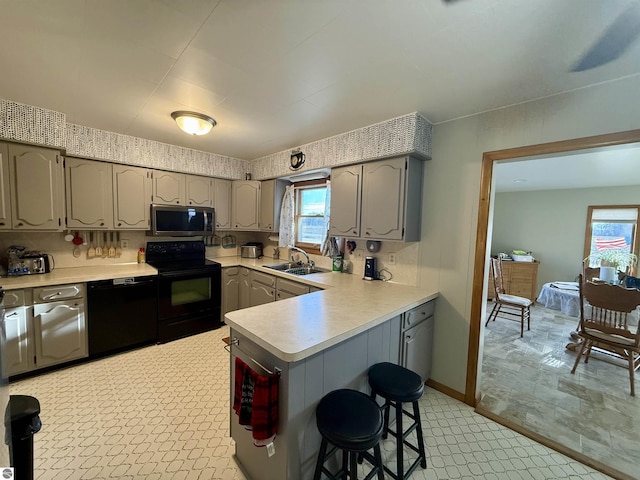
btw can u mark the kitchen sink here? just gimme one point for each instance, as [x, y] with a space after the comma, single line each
[280, 266]
[295, 270]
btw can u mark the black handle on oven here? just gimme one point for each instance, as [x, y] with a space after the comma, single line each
[187, 273]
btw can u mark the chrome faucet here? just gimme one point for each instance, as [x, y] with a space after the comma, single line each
[310, 262]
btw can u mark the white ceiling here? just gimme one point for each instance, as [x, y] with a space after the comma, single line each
[276, 74]
[599, 167]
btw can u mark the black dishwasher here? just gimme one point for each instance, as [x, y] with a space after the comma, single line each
[121, 314]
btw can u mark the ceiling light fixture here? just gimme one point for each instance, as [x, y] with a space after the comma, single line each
[194, 123]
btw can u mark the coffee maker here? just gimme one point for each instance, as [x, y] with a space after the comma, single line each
[370, 268]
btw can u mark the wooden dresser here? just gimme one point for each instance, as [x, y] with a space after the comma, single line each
[519, 278]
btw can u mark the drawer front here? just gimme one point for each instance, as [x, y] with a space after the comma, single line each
[231, 271]
[13, 298]
[263, 278]
[58, 292]
[418, 314]
[292, 287]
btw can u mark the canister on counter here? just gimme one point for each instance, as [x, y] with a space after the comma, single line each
[336, 264]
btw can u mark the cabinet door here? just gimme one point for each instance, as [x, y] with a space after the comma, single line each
[60, 332]
[271, 194]
[244, 294]
[261, 294]
[36, 182]
[168, 188]
[245, 204]
[346, 185]
[131, 197]
[17, 356]
[5, 192]
[222, 203]
[417, 348]
[199, 191]
[89, 194]
[383, 195]
[230, 289]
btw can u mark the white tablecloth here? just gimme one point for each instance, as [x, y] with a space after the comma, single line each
[563, 296]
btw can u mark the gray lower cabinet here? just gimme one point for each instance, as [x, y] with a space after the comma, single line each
[263, 288]
[287, 289]
[416, 347]
[236, 288]
[18, 349]
[45, 326]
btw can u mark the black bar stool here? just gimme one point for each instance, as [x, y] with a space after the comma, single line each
[398, 385]
[352, 422]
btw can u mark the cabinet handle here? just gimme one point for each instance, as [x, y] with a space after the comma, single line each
[367, 233]
[1, 223]
[102, 224]
[355, 232]
[19, 224]
[178, 202]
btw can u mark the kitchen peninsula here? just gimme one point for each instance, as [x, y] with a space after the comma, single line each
[318, 342]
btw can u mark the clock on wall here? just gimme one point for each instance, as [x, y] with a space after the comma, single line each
[297, 159]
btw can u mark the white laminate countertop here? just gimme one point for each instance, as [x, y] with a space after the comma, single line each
[61, 276]
[296, 328]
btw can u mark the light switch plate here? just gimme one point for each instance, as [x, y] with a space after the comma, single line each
[392, 259]
[124, 243]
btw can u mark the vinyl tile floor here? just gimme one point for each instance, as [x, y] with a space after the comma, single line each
[162, 413]
[529, 382]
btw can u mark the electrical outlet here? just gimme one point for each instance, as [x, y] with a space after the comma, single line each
[359, 255]
[392, 259]
[124, 243]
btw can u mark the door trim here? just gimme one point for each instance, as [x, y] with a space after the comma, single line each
[488, 159]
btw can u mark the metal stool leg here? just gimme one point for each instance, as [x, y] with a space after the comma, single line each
[320, 462]
[416, 413]
[399, 442]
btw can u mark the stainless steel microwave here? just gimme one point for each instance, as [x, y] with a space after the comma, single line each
[181, 221]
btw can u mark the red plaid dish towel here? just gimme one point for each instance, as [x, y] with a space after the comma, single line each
[255, 401]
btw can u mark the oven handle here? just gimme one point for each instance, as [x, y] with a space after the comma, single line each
[188, 273]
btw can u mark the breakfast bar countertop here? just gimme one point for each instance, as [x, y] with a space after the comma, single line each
[296, 328]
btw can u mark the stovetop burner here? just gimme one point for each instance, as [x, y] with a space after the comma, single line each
[179, 255]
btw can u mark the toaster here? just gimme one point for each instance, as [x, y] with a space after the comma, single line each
[251, 250]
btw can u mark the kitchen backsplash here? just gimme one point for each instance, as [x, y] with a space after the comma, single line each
[404, 271]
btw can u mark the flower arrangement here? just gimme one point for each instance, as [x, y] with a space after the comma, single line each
[621, 260]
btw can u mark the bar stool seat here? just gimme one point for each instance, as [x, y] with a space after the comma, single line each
[352, 422]
[398, 385]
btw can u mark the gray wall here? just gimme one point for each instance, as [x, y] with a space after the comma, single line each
[551, 224]
[451, 194]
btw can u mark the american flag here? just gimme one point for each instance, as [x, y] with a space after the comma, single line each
[611, 242]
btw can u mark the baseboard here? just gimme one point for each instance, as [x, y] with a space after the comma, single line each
[580, 457]
[446, 390]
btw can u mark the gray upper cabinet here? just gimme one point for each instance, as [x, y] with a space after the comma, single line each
[271, 195]
[89, 187]
[199, 191]
[379, 200]
[222, 203]
[245, 204]
[5, 192]
[169, 188]
[37, 186]
[391, 199]
[131, 197]
[346, 190]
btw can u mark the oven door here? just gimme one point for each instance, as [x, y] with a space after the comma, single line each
[188, 302]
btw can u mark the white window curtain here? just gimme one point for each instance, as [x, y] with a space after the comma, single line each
[287, 233]
[329, 245]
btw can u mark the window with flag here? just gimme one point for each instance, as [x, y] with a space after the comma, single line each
[611, 229]
[310, 214]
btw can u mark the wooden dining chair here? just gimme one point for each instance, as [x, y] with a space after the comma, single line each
[511, 305]
[605, 311]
